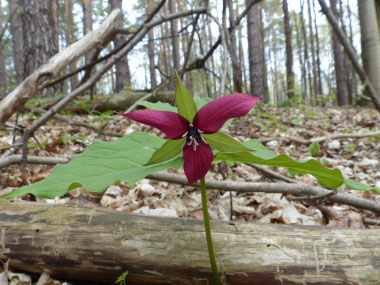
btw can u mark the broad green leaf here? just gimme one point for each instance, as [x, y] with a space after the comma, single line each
[225, 143]
[261, 150]
[201, 101]
[352, 184]
[169, 150]
[101, 165]
[314, 148]
[184, 100]
[160, 106]
[326, 177]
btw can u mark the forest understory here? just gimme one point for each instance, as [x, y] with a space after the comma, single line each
[284, 130]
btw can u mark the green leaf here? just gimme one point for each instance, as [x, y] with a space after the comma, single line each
[225, 143]
[160, 106]
[184, 100]
[326, 177]
[169, 150]
[261, 150]
[314, 148]
[352, 184]
[101, 165]
[122, 277]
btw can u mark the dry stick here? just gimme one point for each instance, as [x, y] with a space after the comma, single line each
[96, 76]
[17, 158]
[322, 139]
[351, 54]
[283, 188]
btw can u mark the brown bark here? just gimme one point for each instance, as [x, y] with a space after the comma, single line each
[340, 74]
[16, 40]
[174, 36]
[70, 38]
[123, 74]
[38, 33]
[152, 68]
[232, 48]
[256, 53]
[312, 49]
[51, 70]
[3, 75]
[74, 242]
[289, 51]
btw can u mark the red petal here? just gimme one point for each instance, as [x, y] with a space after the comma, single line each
[171, 124]
[211, 117]
[197, 163]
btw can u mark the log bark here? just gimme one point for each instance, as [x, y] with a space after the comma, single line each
[47, 73]
[74, 242]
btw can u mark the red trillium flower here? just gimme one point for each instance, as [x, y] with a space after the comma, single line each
[196, 135]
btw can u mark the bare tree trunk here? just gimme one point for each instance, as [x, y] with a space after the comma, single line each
[352, 75]
[152, 69]
[370, 42]
[3, 75]
[289, 51]
[300, 56]
[241, 52]
[16, 40]
[236, 70]
[174, 35]
[256, 53]
[70, 38]
[38, 32]
[123, 75]
[320, 89]
[341, 83]
[79, 243]
[312, 48]
[87, 22]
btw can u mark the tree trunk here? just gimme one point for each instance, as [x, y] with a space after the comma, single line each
[70, 38]
[123, 74]
[300, 55]
[3, 75]
[340, 74]
[152, 68]
[370, 41]
[289, 51]
[16, 40]
[256, 53]
[232, 47]
[312, 48]
[39, 33]
[79, 243]
[174, 35]
[320, 89]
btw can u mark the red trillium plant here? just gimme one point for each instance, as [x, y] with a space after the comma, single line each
[195, 133]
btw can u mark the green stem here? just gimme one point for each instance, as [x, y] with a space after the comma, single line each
[208, 232]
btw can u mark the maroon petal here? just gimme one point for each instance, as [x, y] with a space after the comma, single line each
[198, 162]
[171, 124]
[211, 117]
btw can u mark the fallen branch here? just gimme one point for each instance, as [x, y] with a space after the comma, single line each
[284, 188]
[78, 243]
[17, 158]
[47, 73]
[322, 139]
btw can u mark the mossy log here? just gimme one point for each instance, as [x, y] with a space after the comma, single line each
[75, 242]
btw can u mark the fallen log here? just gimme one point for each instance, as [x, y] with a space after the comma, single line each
[76, 242]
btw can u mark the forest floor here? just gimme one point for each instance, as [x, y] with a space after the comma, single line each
[281, 130]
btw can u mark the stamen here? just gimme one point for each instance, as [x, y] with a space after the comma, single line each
[185, 134]
[203, 139]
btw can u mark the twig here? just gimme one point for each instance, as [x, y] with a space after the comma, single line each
[271, 173]
[284, 188]
[312, 198]
[17, 158]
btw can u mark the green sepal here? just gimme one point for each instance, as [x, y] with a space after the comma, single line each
[225, 143]
[169, 150]
[185, 102]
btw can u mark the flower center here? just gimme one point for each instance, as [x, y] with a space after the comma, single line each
[192, 137]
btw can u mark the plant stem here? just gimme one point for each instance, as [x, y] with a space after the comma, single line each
[208, 232]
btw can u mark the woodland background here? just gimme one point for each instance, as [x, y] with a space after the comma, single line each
[61, 82]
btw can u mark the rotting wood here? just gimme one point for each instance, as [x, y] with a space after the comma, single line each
[74, 242]
[47, 73]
